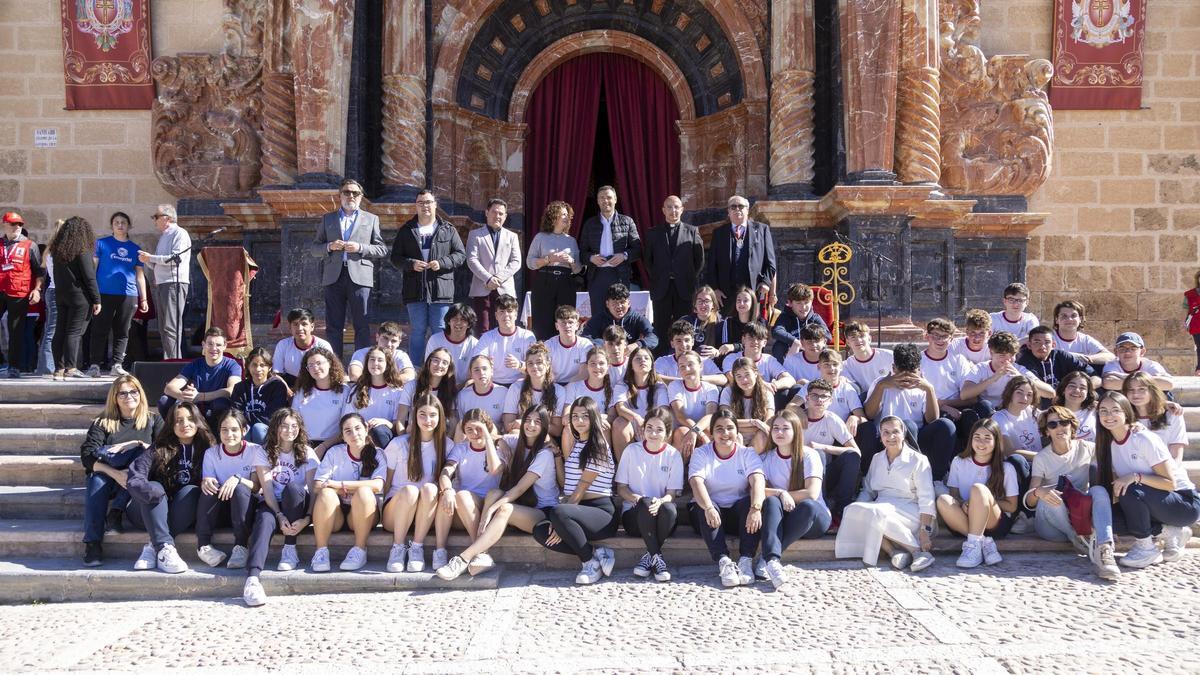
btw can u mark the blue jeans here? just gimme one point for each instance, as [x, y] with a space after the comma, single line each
[1145, 509]
[45, 364]
[424, 317]
[258, 433]
[780, 529]
[1053, 524]
[103, 493]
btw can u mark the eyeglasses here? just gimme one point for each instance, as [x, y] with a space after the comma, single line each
[159, 215]
[130, 393]
[820, 397]
[1054, 424]
[351, 193]
[738, 207]
[426, 202]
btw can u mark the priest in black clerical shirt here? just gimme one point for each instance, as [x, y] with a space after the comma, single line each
[674, 257]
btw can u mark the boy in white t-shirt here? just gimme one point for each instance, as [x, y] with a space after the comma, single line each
[754, 343]
[947, 372]
[846, 403]
[825, 432]
[289, 352]
[987, 380]
[387, 338]
[1131, 352]
[682, 338]
[568, 353]
[865, 363]
[1068, 319]
[507, 343]
[803, 364]
[1014, 319]
[972, 346]
[616, 347]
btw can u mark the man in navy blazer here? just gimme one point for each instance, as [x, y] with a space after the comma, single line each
[609, 244]
[348, 243]
[741, 253]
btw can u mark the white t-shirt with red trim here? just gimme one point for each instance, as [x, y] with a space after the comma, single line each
[461, 352]
[865, 373]
[1019, 328]
[695, 401]
[650, 474]
[288, 355]
[565, 361]
[945, 374]
[962, 348]
[491, 401]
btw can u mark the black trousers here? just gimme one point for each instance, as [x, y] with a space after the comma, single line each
[578, 525]
[294, 504]
[552, 287]
[841, 481]
[116, 313]
[167, 517]
[667, 310]
[238, 511]
[733, 521]
[68, 333]
[654, 530]
[16, 309]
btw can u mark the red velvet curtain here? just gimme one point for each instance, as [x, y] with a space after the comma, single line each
[562, 119]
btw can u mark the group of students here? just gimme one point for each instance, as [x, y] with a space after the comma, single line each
[588, 433]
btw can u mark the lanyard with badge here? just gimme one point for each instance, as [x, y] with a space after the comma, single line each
[6, 264]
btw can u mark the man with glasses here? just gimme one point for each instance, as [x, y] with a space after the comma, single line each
[742, 253]
[171, 264]
[428, 250]
[348, 242]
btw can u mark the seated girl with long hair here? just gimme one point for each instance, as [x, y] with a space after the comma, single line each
[414, 461]
[348, 483]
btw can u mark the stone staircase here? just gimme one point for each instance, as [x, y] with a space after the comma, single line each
[43, 423]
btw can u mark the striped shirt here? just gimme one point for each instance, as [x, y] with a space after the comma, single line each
[602, 485]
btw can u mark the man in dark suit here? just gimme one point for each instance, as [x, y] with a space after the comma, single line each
[741, 253]
[675, 263]
[348, 243]
[609, 244]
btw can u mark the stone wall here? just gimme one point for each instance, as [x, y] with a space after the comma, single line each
[1124, 195]
[102, 161]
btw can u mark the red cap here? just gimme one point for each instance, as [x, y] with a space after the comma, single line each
[13, 217]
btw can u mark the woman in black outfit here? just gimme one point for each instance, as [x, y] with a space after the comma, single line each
[75, 291]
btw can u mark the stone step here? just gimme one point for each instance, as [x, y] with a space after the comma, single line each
[64, 580]
[52, 470]
[44, 390]
[41, 502]
[52, 415]
[41, 441]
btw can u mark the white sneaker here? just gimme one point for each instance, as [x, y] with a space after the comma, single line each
[169, 561]
[745, 567]
[396, 557]
[416, 557]
[972, 554]
[118, 370]
[760, 570]
[729, 572]
[288, 558]
[253, 594]
[1174, 541]
[238, 557]
[661, 571]
[210, 556]
[356, 559]
[440, 558]
[320, 560]
[590, 573]
[642, 568]
[775, 572]
[991, 555]
[1144, 553]
[147, 560]
[901, 560]
[1022, 524]
[1104, 562]
[607, 559]
[480, 563]
[452, 569]
[921, 560]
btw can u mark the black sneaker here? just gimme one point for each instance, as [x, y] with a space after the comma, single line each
[92, 554]
[114, 522]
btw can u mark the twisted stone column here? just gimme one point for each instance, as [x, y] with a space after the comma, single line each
[918, 117]
[404, 93]
[792, 122]
[278, 97]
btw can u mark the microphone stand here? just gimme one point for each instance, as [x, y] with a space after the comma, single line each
[876, 264]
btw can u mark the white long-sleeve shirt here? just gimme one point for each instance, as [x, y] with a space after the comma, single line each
[173, 241]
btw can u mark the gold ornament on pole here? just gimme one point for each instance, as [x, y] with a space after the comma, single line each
[834, 257]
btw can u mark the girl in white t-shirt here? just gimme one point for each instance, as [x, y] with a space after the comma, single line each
[348, 484]
[529, 485]
[794, 508]
[227, 490]
[693, 402]
[286, 467]
[482, 393]
[1156, 413]
[320, 391]
[376, 396]
[750, 399]
[536, 387]
[410, 490]
[649, 478]
[643, 391]
[598, 385]
[472, 469]
[1017, 419]
[1152, 489]
[1077, 393]
[728, 490]
[983, 495]
[436, 377]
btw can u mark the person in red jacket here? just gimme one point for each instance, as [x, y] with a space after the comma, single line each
[21, 278]
[1192, 322]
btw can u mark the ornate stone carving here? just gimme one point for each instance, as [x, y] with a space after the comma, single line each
[207, 117]
[918, 114]
[997, 126]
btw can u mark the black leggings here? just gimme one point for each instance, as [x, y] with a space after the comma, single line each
[654, 530]
[578, 525]
[841, 481]
[116, 312]
[733, 522]
[68, 333]
[238, 510]
[294, 505]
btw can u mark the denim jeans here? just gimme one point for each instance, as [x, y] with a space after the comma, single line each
[1053, 524]
[1145, 509]
[258, 433]
[424, 317]
[45, 364]
[103, 493]
[167, 517]
[780, 529]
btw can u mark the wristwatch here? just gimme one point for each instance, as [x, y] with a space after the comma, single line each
[928, 529]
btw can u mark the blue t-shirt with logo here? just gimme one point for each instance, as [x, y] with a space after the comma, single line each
[115, 266]
[211, 378]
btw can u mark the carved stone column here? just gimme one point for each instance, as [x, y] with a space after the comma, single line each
[323, 35]
[870, 46]
[404, 96]
[918, 118]
[792, 122]
[279, 100]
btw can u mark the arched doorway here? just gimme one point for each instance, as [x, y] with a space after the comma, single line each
[596, 118]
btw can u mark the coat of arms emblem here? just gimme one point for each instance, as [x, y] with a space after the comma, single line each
[1101, 22]
[105, 19]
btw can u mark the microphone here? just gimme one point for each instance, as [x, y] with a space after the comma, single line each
[217, 231]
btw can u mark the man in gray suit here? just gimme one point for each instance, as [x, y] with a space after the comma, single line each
[348, 242]
[494, 257]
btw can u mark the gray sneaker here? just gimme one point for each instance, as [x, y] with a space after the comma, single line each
[1174, 540]
[118, 370]
[921, 560]
[94, 371]
[1105, 562]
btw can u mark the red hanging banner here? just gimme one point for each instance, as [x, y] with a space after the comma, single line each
[1098, 54]
[106, 54]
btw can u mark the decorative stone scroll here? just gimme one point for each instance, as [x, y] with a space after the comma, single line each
[997, 126]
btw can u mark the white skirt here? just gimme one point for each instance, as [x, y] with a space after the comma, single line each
[865, 524]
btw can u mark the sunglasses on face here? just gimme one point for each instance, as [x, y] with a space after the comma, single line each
[351, 193]
[1054, 424]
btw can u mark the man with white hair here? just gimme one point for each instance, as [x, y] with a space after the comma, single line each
[742, 253]
[171, 263]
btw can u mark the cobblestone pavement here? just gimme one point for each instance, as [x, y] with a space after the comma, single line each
[1031, 614]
